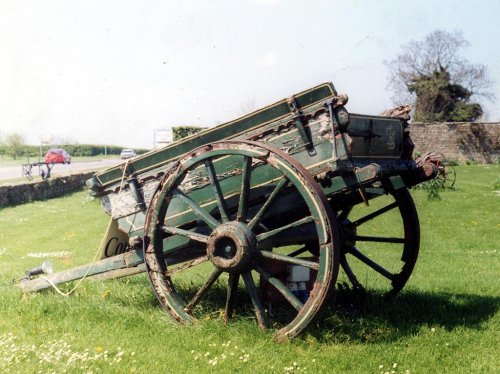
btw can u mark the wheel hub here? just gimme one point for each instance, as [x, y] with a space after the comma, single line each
[231, 247]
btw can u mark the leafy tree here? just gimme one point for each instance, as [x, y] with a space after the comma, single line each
[15, 145]
[433, 76]
[437, 99]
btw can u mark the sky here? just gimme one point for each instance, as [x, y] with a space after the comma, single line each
[114, 71]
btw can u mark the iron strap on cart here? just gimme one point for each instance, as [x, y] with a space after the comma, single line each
[263, 211]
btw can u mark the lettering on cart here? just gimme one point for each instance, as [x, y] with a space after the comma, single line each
[391, 142]
[115, 247]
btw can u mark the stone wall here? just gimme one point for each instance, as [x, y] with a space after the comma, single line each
[458, 141]
[53, 187]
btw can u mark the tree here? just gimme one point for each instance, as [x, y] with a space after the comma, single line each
[433, 76]
[437, 99]
[15, 145]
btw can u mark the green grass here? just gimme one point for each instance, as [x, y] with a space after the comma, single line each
[447, 318]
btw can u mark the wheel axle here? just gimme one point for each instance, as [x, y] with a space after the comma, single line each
[232, 247]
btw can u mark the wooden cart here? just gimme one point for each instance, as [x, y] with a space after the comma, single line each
[260, 213]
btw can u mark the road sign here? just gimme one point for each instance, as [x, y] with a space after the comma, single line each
[46, 139]
[162, 137]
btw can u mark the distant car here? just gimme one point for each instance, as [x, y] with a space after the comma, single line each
[57, 156]
[127, 153]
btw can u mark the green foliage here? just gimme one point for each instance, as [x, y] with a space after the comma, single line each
[87, 150]
[496, 185]
[14, 145]
[439, 100]
[180, 132]
[446, 320]
[444, 181]
[465, 112]
[471, 161]
[432, 187]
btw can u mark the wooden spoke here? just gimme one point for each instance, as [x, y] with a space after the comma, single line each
[203, 290]
[199, 211]
[394, 248]
[255, 220]
[379, 269]
[245, 189]
[232, 291]
[375, 214]
[290, 260]
[221, 203]
[187, 265]
[378, 239]
[350, 274]
[269, 234]
[234, 224]
[282, 288]
[190, 234]
[252, 291]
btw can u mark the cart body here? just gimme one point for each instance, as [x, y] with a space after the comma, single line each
[370, 148]
[271, 195]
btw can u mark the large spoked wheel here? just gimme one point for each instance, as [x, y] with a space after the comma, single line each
[228, 212]
[380, 242]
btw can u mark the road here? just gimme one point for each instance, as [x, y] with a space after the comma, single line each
[11, 172]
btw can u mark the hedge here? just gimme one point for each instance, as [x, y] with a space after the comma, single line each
[180, 132]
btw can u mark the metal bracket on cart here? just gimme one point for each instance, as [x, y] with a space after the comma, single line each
[300, 123]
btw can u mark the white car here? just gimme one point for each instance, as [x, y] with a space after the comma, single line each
[127, 153]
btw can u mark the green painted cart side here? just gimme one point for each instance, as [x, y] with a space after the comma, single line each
[263, 211]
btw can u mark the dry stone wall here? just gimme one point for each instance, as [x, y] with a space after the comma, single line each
[50, 188]
[458, 141]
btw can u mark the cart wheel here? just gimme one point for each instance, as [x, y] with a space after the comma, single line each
[380, 242]
[250, 201]
[446, 177]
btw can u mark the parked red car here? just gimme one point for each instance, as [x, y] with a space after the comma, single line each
[57, 156]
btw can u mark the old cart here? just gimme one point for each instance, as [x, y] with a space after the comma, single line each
[261, 213]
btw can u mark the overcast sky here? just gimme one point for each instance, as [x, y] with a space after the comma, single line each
[110, 72]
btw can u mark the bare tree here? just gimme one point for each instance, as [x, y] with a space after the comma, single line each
[439, 51]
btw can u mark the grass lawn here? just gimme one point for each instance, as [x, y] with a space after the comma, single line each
[446, 320]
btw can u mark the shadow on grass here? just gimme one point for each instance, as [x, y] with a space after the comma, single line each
[359, 316]
[366, 317]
